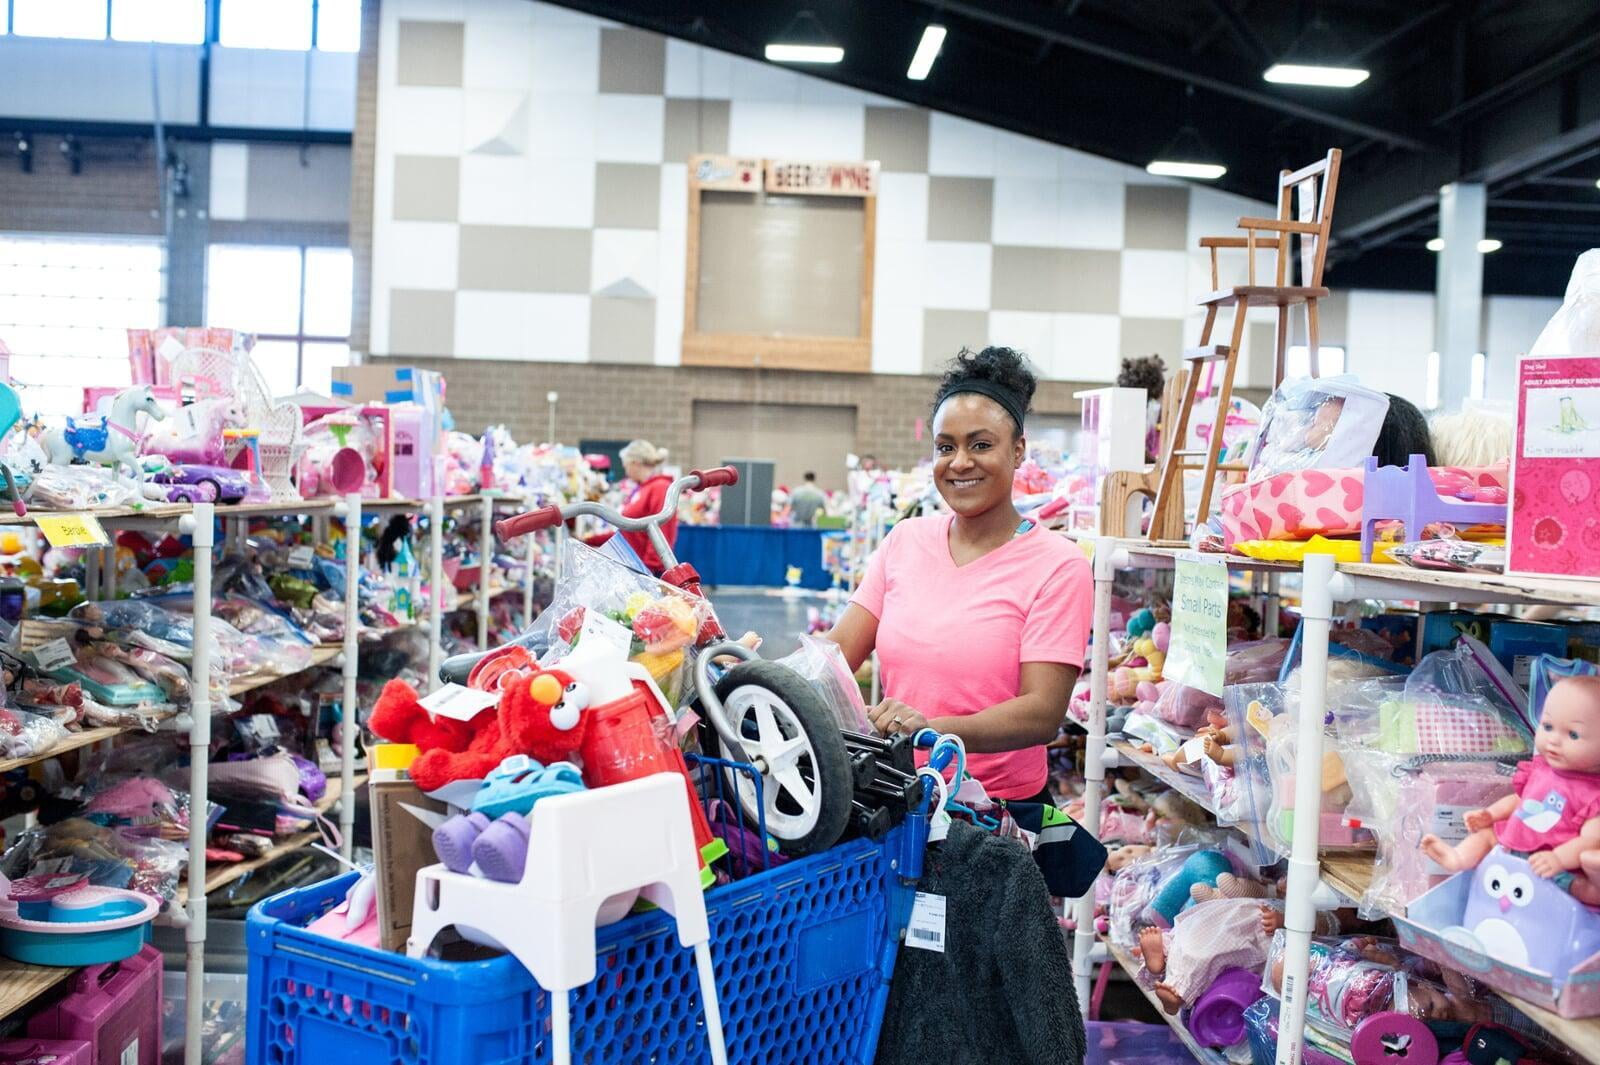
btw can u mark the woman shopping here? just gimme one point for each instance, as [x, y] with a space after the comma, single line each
[641, 462]
[979, 617]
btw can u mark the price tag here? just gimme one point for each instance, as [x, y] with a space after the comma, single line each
[599, 627]
[302, 557]
[459, 702]
[57, 654]
[72, 530]
[926, 929]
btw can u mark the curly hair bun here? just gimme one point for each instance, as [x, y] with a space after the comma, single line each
[1005, 368]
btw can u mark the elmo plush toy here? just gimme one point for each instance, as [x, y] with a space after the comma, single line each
[540, 714]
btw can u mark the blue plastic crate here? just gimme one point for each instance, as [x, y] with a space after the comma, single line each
[803, 954]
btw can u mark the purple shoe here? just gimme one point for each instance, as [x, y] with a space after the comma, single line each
[502, 850]
[453, 841]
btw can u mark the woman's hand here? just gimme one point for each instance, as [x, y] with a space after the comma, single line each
[892, 716]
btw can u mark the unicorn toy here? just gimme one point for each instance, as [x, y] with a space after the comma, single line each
[108, 440]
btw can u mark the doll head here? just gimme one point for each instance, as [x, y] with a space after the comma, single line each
[1569, 727]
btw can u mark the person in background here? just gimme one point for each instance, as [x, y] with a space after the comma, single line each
[1404, 433]
[869, 462]
[806, 502]
[980, 618]
[641, 461]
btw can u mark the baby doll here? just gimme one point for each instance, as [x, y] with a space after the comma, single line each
[1553, 815]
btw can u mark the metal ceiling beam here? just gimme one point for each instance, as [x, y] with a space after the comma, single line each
[1171, 68]
[1246, 32]
[1526, 80]
[1414, 23]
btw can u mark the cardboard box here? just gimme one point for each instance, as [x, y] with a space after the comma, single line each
[384, 382]
[401, 845]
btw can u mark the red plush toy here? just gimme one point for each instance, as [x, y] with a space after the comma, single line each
[399, 718]
[540, 714]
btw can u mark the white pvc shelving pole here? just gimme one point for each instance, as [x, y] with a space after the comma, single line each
[1299, 913]
[436, 586]
[110, 555]
[199, 768]
[1094, 772]
[352, 657]
[485, 557]
[91, 574]
[527, 572]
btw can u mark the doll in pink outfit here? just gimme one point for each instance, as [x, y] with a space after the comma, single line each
[1553, 815]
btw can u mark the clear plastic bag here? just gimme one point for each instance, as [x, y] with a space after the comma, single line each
[823, 665]
[80, 488]
[1460, 556]
[1317, 423]
[24, 735]
[1575, 327]
[1251, 709]
[1457, 701]
[109, 857]
[1254, 662]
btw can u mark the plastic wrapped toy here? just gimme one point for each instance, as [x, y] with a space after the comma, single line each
[1317, 423]
[823, 665]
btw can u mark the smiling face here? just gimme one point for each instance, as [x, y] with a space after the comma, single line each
[976, 452]
[1569, 728]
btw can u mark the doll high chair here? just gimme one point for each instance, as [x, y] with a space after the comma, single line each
[577, 859]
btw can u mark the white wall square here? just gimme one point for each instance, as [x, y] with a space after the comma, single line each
[563, 59]
[1030, 332]
[1091, 214]
[628, 128]
[1081, 166]
[697, 73]
[562, 125]
[1387, 339]
[510, 190]
[503, 12]
[445, 10]
[414, 120]
[1213, 213]
[815, 90]
[1155, 284]
[554, 15]
[416, 254]
[624, 262]
[1088, 347]
[674, 213]
[497, 55]
[896, 339]
[523, 326]
[897, 272]
[955, 275]
[671, 259]
[495, 122]
[959, 147]
[787, 130]
[752, 79]
[902, 206]
[230, 167]
[1026, 157]
[1026, 211]
[760, 128]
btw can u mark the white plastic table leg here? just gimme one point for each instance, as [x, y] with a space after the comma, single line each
[708, 996]
[352, 659]
[561, 1027]
[436, 587]
[199, 768]
[1094, 773]
[485, 557]
[1316, 611]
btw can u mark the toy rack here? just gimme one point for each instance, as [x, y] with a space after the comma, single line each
[1324, 584]
[20, 984]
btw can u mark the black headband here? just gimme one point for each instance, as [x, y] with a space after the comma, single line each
[1008, 400]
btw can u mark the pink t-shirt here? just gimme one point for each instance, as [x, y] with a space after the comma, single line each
[1554, 806]
[952, 639]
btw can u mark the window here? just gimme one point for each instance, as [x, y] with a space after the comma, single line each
[65, 306]
[1480, 372]
[1297, 361]
[265, 24]
[1432, 399]
[339, 25]
[296, 301]
[166, 21]
[81, 19]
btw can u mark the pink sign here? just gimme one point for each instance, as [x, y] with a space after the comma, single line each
[1554, 526]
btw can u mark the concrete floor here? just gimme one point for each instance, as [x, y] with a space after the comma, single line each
[780, 619]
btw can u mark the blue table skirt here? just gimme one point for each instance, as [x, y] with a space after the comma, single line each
[753, 556]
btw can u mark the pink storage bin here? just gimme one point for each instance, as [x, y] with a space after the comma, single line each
[46, 1052]
[1307, 503]
[114, 1008]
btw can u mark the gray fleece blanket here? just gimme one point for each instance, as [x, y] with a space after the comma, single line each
[1001, 992]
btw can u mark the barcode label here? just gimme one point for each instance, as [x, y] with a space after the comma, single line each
[925, 931]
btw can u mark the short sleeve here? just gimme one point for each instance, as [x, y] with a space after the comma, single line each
[1519, 778]
[1056, 628]
[870, 592]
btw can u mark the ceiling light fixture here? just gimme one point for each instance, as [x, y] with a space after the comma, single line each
[927, 52]
[1187, 155]
[1436, 244]
[1174, 168]
[1315, 75]
[804, 40]
[1485, 246]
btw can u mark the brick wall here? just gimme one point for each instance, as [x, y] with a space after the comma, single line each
[115, 194]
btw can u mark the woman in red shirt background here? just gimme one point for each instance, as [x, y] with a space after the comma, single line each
[641, 461]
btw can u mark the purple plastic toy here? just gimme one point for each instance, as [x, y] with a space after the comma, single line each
[193, 483]
[1407, 493]
[453, 840]
[1217, 1017]
[1393, 1039]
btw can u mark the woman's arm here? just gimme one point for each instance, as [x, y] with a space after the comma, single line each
[856, 633]
[1031, 719]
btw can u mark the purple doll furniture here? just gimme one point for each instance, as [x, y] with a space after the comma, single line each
[1407, 493]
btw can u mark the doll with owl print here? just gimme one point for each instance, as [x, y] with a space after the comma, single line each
[1552, 817]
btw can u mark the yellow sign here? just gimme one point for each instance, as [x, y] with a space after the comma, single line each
[72, 530]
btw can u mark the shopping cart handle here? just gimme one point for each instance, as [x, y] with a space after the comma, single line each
[722, 475]
[531, 521]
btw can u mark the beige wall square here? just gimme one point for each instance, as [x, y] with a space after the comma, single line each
[627, 195]
[622, 330]
[429, 53]
[694, 126]
[427, 188]
[959, 208]
[1153, 336]
[421, 322]
[946, 332]
[898, 138]
[632, 61]
[524, 259]
[1078, 280]
[1155, 216]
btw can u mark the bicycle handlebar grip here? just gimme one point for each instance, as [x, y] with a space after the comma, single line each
[722, 475]
[532, 521]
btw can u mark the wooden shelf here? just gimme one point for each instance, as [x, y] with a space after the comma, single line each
[321, 655]
[1131, 967]
[20, 984]
[73, 741]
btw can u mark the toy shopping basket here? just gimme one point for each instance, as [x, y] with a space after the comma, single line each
[803, 955]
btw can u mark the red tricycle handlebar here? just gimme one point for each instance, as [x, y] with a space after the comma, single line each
[551, 516]
[713, 478]
[531, 521]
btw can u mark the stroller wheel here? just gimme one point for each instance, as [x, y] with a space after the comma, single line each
[787, 732]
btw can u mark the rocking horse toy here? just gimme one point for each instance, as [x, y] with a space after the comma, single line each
[110, 439]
